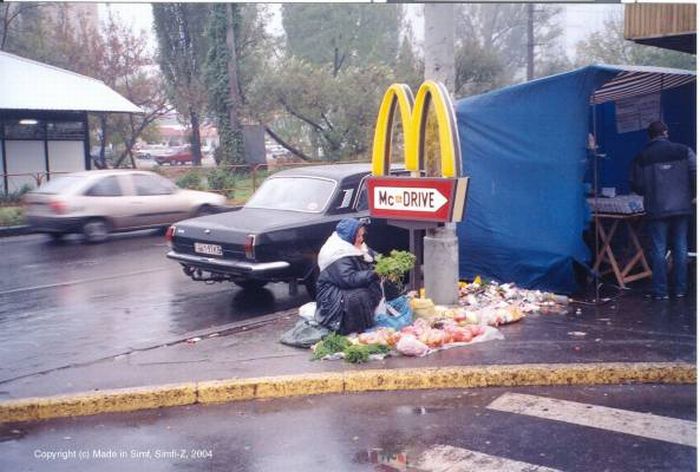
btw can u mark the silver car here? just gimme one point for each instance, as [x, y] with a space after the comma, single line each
[98, 202]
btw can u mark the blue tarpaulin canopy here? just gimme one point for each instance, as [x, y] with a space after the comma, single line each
[525, 149]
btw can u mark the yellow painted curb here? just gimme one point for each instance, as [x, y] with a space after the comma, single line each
[92, 403]
[270, 387]
[132, 399]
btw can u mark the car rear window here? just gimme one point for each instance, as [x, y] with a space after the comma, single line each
[304, 194]
[60, 184]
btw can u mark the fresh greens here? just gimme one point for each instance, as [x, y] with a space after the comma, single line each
[355, 353]
[330, 345]
[359, 353]
[395, 265]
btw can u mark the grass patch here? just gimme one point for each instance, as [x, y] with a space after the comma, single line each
[11, 216]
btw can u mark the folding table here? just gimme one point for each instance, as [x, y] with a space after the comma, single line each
[636, 266]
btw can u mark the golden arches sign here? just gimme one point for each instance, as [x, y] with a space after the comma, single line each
[414, 117]
[425, 199]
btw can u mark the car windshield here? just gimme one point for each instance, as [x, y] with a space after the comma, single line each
[59, 184]
[293, 193]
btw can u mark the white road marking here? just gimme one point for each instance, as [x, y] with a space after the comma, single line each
[645, 425]
[441, 458]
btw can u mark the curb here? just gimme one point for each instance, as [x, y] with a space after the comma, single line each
[219, 391]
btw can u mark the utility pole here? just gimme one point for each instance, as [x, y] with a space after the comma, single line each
[234, 90]
[440, 245]
[530, 41]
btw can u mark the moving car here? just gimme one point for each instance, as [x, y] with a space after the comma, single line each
[98, 202]
[276, 236]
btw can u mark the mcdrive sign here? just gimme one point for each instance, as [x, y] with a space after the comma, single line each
[437, 199]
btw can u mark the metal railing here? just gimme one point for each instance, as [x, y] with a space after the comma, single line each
[236, 182]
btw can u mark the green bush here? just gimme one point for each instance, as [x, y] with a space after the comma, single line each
[223, 181]
[14, 197]
[191, 180]
[11, 216]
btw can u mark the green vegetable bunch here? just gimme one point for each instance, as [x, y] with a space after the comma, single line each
[330, 345]
[394, 266]
[359, 353]
[356, 354]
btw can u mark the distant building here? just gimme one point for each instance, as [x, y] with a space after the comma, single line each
[173, 133]
[664, 25]
[43, 119]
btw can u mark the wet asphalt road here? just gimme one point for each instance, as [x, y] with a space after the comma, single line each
[388, 431]
[70, 303]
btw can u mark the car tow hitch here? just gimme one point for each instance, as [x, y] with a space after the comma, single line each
[198, 275]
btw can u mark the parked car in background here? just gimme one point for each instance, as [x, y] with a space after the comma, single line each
[276, 235]
[180, 155]
[98, 202]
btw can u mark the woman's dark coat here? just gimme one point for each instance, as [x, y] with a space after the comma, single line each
[348, 292]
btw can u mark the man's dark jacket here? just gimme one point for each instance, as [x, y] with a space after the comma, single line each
[664, 173]
[347, 288]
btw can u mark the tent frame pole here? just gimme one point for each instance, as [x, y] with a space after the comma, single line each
[596, 220]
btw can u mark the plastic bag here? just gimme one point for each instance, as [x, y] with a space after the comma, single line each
[409, 345]
[304, 334]
[397, 314]
[423, 308]
[307, 311]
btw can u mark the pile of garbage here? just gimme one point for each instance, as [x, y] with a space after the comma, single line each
[482, 308]
[491, 304]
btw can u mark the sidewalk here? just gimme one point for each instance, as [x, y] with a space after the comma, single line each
[551, 348]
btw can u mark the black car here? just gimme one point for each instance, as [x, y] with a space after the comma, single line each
[276, 236]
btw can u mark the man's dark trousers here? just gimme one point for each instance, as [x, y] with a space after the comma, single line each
[675, 230]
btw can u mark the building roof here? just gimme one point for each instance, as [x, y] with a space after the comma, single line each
[31, 85]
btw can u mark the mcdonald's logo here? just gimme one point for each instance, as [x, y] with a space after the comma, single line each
[414, 118]
[416, 198]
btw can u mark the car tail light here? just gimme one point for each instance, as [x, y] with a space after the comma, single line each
[169, 235]
[58, 206]
[249, 247]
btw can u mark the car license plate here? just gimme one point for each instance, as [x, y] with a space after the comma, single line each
[210, 249]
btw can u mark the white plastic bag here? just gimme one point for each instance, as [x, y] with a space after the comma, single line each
[409, 345]
[307, 311]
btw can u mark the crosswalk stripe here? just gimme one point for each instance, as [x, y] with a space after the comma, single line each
[646, 425]
[442, 458]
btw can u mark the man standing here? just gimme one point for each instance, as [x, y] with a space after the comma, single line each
[664, 173]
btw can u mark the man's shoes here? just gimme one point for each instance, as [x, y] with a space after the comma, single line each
[656, 297]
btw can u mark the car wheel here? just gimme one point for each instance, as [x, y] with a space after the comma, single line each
[250, 284]
[56, 237]
[310, 283]
[95, 230]
[173, 163]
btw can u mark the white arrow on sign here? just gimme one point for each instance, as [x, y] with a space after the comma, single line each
[428, 200]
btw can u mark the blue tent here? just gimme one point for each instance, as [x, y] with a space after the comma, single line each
[525, 149]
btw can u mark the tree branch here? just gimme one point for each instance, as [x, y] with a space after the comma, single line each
[286, 145]
[306, 120]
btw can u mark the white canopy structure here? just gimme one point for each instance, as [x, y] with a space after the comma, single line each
[31, 85]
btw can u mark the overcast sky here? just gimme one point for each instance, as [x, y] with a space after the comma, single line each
[578, 19]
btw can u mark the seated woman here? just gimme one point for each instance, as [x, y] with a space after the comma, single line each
[348, 289]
